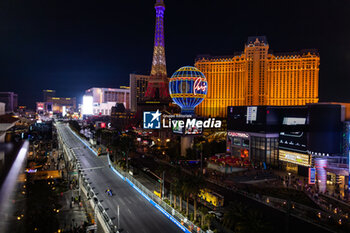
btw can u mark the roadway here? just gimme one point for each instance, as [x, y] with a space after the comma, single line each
[136, 213]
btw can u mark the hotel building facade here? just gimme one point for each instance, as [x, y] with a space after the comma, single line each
[106, 98]
[257, 77]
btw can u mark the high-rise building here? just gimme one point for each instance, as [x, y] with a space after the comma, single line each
[48, 94]
[157, 87]
[105, 98]
[138, 86]
[257, 77]
[104, 95]
[58, 105]
[11, 101]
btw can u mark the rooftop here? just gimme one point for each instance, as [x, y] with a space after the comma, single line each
[7, 119]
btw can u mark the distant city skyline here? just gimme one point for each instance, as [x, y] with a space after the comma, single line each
[73, 47]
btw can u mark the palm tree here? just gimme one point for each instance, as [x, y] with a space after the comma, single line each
[176, 188]
[197, 184]
[177, 184]
[209, 218]
[125, 144]
[174, 192]
[186, 190]
[204, 214]
[160, 170]
[179, 189]
[191, 188]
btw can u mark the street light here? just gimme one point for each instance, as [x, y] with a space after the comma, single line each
[289, 180]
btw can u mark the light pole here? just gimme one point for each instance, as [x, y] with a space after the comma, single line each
[118, 218]
[163, 186]
[79, 178]
[289, 180]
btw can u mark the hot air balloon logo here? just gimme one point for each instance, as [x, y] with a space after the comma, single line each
[188, 88]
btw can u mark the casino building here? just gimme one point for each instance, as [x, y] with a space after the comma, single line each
[294, 138]
[257, 76]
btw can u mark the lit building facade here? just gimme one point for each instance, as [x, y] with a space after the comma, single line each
[104, 95]
[294, 138]
[48, 94]
[138, 87]
[59, 105]
[11, 101]
[257, 77]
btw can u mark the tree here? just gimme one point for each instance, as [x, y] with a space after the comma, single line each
[75, 125]
[177, 184]
[203, 212]
[209, 218]
[174, 192]
[197, 184]
[123, 144]
[186, 190]
[160, 170]
[191, 188]
[173, 149]
[176, 187]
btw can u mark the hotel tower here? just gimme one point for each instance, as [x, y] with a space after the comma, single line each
[257, 77]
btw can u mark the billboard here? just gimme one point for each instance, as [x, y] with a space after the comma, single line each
[39, 106]
[87, 108]
[312, 175]
[294, 157]
[190, 126]
[251, 114]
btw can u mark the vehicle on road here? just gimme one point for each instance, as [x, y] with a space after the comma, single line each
[217, 215]
[109, 192]
[213, 198]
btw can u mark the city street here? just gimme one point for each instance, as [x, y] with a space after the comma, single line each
[136, 213]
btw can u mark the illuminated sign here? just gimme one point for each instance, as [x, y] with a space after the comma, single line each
[320, 165]
[39, 106]
[31, 170]
[294, 121]
[188, 88]
[87, 108]
[237, 134]
[251, 113]
[294, 157]
[64, 111]
[199, 86]
[312, 175]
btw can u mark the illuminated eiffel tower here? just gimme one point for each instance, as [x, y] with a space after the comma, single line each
[157, 88]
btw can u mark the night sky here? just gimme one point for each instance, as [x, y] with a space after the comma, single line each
[71, 46]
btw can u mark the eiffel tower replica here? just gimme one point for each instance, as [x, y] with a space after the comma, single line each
[157, 92]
